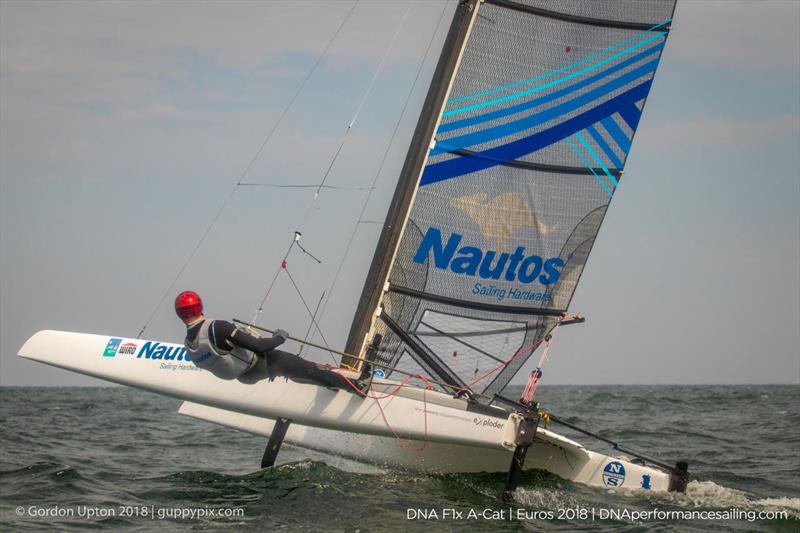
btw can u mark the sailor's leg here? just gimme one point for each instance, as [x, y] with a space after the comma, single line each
[259, 371]
[298, 369]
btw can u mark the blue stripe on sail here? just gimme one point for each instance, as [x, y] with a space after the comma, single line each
[617, 133]
[508, 152]
[604, 146]
[596, 158]
[585, 162]
[631, 114]
[509, 128]
[562, 69]
[552, 83]
[456, 124]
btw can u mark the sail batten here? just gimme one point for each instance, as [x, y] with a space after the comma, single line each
[511, 188]
[592, 21]
[480, 306]
[558, 169]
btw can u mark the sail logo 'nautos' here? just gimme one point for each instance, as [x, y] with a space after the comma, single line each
[472, 261]
[161, 351]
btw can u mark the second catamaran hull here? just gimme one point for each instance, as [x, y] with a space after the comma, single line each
[550, 452]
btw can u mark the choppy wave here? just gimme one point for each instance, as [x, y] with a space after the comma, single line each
[710, 495]
[118, 447]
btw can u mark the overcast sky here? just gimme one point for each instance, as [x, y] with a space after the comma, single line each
[123, 127]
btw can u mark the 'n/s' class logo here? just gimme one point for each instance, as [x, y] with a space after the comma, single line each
[112, 347]
[614, 474]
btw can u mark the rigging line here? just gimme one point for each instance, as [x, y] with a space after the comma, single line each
[346, 253]
[377, 364]
[523, 350]
[313, 320]
[380, 67]
[309, 254]
[246, 171]
[614, 443]
[327, 173]
[186, 263]
[548, 344]
[274, 278]
[299, 89]
[282, 266]
[460, 341]
[309, 186]
[400, 441]
[322, 184]
[311, 324]
[363, 100]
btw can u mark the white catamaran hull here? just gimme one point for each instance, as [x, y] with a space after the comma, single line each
[438, 433]
[551, 452]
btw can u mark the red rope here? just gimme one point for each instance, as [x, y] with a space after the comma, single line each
[428, 386]
[521, 351]
[530, 388]
[400, 441]
[394, 391]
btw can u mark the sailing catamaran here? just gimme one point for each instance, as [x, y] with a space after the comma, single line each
[519, 148]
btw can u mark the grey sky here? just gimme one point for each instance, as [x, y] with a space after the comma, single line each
[123, 126]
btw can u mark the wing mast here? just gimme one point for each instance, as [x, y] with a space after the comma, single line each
[407, 186]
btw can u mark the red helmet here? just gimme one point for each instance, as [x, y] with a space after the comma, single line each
[188, 304]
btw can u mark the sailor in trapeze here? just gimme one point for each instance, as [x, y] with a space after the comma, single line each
[230, 352]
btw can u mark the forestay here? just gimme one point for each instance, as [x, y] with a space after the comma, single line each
[518, 152]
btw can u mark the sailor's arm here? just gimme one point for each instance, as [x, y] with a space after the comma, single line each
[255, 344]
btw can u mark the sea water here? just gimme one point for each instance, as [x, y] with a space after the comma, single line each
[81, 458]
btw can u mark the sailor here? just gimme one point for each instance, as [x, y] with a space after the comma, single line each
[230, 352]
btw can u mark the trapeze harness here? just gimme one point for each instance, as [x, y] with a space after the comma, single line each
[225, 364]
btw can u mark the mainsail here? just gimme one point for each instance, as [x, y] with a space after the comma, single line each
[519, 149]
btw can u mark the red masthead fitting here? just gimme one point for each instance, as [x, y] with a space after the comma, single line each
[188, 304]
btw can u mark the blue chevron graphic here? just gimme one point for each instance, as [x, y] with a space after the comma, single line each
[552, 83]
[596, 157]
[508, 152]
[490, 134]
[563, 69]
[457, 124]
[585, 162]
[617, 134]
[631, 115]
[601, 142]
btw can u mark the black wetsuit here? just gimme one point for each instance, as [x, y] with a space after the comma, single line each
[271, 363]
